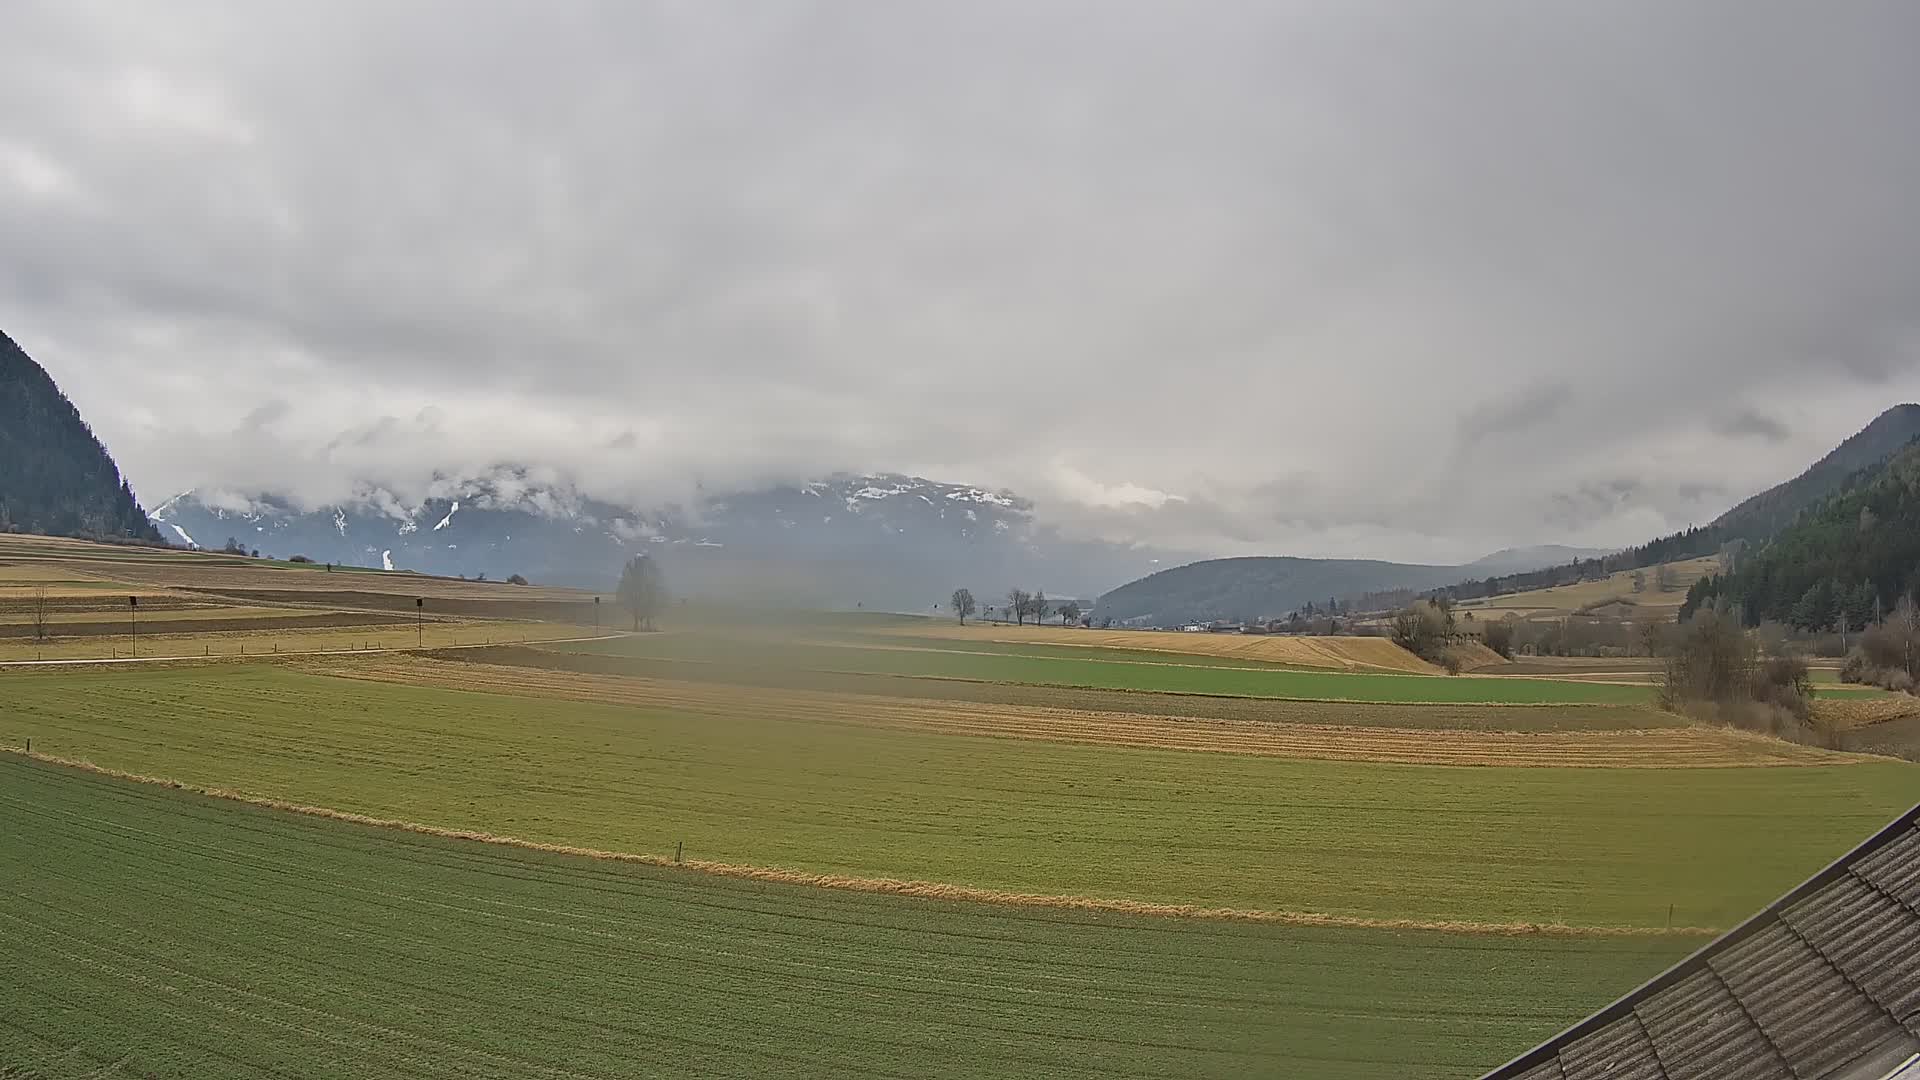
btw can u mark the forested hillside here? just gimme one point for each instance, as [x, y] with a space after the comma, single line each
[1775, 508]
[55, 477]
[1245, 589]
[1752, 522]
[1852, 556]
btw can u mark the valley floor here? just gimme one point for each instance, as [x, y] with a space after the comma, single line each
[837, 846]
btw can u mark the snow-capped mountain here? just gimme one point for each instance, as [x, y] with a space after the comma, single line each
[883, 541]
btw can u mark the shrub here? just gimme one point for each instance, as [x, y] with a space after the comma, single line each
[1857, 668]
[298, 558]
[1499, 637]
[1783, 682]
[1888, 653]
[1710, 659]
[1421, 630]
[516, 580]
[1713, 672]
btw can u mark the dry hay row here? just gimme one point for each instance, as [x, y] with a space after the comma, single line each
[925, 890]
[1656, 748]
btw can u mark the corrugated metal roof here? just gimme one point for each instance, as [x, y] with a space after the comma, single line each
[1822, 985]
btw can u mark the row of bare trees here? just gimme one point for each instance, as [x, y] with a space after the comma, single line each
[1021, 606]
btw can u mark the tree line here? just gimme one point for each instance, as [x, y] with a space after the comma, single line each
[1021, 606]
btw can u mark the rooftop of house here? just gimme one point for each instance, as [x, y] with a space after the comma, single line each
[1822, 985]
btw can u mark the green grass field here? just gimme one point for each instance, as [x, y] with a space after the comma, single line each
[1426, 717]
[1582, 846]
[153, 933]
[1163, 675]
[1041, 650]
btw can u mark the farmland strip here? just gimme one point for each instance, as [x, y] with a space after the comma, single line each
[932, 890]
[1661, 748]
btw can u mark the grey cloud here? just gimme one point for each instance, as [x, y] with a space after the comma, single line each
[1752, 424]
[1515, 412]
[1266, 258]
[266, 414]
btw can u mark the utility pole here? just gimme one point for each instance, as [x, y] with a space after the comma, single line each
[133, 615]
[419, 621]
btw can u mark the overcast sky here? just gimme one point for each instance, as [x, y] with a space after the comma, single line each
[1411, 280]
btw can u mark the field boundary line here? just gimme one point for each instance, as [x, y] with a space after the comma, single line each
[78, 661]
[925, 890]
[1255, 697]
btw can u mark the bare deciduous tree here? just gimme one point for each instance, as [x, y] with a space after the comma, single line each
[1665, 579]
[642, 591]
[963, 604]
[40, 613]
[1020, 602]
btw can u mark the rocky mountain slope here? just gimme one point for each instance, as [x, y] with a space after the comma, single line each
[55, 476]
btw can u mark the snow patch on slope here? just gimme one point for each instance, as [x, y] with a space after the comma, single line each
[386, 559]
[183, 534]
[979, 496]
[167, 507]
[874, 492]
[448, 520]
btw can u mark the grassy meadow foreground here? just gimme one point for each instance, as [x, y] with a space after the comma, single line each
[864, 787]
[910, 848]
[155, 932]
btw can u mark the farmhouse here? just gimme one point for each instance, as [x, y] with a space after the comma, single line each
[1822, 985]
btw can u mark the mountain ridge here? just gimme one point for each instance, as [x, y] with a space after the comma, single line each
[56, 477]
[875, 540]
[1749, 524]
[1771, 510]
[1262, 592]
[1852, 555]
[1255, 587]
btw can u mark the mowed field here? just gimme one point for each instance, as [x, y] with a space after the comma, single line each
[150, 932]
[1098, 672]
[767, 844]
[1565, 599]
[825, 793]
